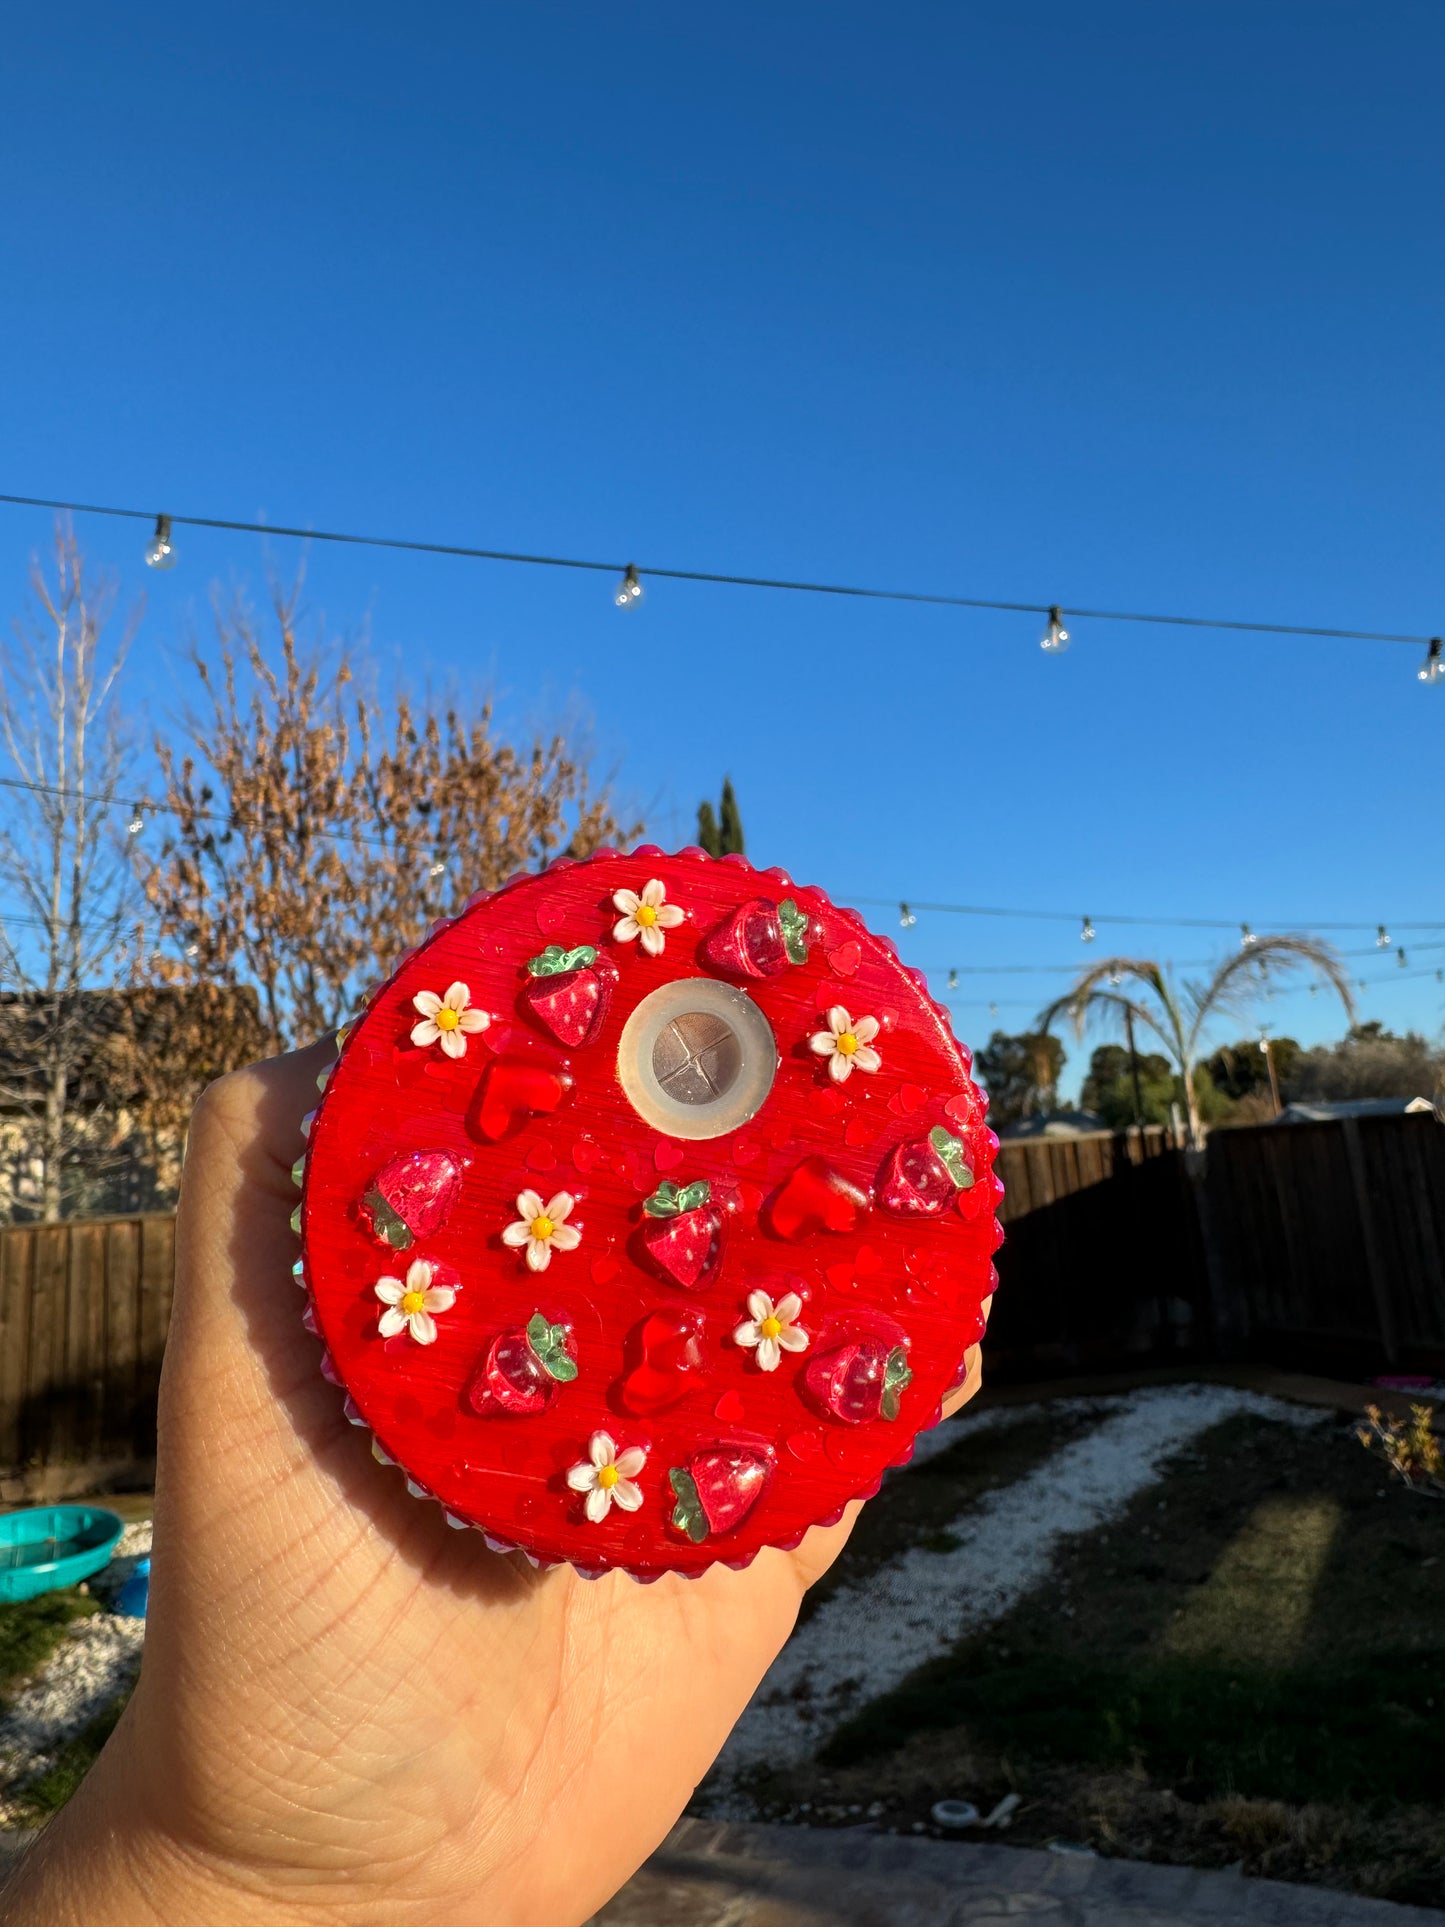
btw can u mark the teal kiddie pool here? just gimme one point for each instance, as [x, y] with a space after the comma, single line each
[53, 1545]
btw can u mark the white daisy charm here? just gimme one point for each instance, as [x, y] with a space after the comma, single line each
[771, 1330]
[847, 1044]
[649, 916]
[448, 1021]
[606, 1476]
[543, 1228]
[412, 1306]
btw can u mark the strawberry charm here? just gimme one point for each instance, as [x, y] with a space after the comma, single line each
[523, 1369]
[412, 1196]
[921, 1178]
[683, 1233]
[759, 939]
[568, 991]
[863, 1379]
[717, 1489]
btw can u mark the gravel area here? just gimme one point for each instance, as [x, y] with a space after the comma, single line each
[865, 1640]
[93, 1665]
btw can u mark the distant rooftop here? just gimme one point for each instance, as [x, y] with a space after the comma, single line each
[1055, 1124]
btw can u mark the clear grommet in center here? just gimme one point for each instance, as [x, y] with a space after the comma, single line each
[697, 1058]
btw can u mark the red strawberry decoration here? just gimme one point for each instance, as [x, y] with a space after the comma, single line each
[861, 1380]
[523, 1369]
[759, 939]
[671, 1359]
[717, 1489]
[683, 1233]
[569, 991]
[816, 1197]
[921, 1178]
[412, 1196]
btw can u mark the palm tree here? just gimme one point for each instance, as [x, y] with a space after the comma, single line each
[1133, 990]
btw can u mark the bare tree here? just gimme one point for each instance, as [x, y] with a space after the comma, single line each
[309, 838]
[1129, 991]
[63, 862]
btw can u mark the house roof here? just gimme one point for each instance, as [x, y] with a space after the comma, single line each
[1055, 1124]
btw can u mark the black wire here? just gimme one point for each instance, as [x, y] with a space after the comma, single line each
[712, 575]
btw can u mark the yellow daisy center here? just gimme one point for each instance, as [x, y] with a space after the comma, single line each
[447, 1018]
[607, 1476]
[770, 1327]
[412, 1302]
[542, 1227]
[847, 1043]
[645, 914]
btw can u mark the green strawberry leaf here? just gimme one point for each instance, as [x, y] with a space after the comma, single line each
[549, 1342]
[688, 1515]
[897, 1377]
[555, 961]
[664, 1201]
[951, 1156]
[395, 1230]
[795, 931]
[692, 1195]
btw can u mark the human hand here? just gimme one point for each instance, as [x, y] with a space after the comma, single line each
[348, 1710]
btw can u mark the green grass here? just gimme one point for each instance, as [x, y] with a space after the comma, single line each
[1248, 1664]
[31, 1629]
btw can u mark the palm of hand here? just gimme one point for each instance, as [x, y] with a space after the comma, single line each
[344, 1698]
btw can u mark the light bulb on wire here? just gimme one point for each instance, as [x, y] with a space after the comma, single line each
[1246, 936]
[1400, 958]
[953, 980]
[906, 918]
[1382, 937]
[137, 821]
[161, 551]
[1055, 639]
[1433, 667]
[629, 589]
[1087, 934]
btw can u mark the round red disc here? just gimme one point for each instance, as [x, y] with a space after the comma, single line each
[648, 1213]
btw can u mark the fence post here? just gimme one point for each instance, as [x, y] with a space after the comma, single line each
[1230, 1312]
[1374, 1264]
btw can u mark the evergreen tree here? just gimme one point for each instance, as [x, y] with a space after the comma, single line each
[720, 832]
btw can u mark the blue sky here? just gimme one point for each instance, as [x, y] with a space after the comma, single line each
[1132, 306]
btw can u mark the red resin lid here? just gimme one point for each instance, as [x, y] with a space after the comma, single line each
[648, 1213]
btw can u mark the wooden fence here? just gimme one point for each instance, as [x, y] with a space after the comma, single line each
[84, 1307]
[1320, 1246]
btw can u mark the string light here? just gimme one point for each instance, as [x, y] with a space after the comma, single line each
[1246, 936]
[1400, 958]
[1382, 938]
[1087, 934]
[137, 821]
[906, 918]
[993, 1010]
[1433, 667]
[1052, 611]
[1055, 638]
[629, 589]
[161, 551]
[953, 980]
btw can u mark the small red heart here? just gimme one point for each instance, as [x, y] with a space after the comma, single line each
[840, 1277]
[604, 1267]
[781, 1135]
[586, 1155]
[805, 1445]
[961, 1109]
[858, 1133]
[541, 1157]
[746, 1150]
[829, 1101]
[846, 958]
[839, 1448]
[729, 1409]
[907, 1099]
[552, 916]
[867, 1263]
[668, 1155]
